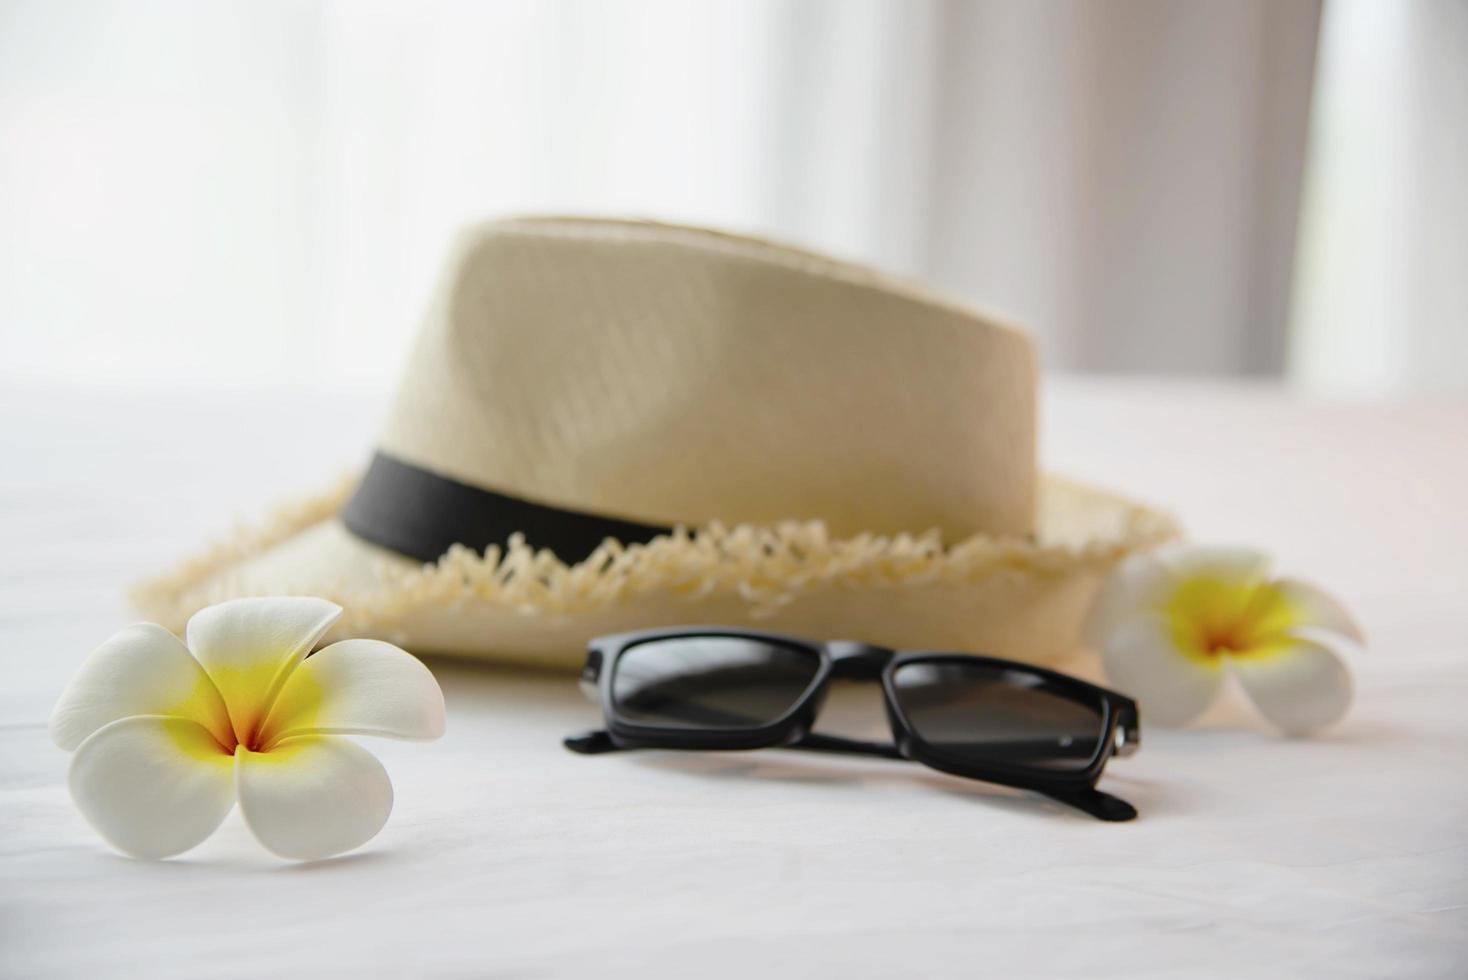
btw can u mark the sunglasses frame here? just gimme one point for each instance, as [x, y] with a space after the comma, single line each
[1120, 724]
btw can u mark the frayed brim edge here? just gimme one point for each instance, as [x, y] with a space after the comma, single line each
[766, 566]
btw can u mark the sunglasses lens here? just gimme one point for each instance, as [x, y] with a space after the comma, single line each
[710, 682]
[1001, 715]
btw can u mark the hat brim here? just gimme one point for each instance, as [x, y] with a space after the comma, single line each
[1023, 598]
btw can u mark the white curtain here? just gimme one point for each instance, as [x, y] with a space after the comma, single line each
[248, 191]
[1382, 282]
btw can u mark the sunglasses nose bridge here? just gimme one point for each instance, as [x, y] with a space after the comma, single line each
[851, 660]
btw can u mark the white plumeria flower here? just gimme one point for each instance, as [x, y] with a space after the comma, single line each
[167, 737]
[1169, 624]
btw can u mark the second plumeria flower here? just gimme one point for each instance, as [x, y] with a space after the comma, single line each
[1172, 624]
[167, 737]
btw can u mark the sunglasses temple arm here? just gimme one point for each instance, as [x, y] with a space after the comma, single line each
[1101, 805]
[591, 743]
[599, 742]
[812, 742]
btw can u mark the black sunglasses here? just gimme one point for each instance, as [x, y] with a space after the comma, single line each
[994, 720]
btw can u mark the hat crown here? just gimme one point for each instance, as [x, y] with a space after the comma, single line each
[672, 375]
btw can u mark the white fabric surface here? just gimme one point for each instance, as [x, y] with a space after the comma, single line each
[1343, 856]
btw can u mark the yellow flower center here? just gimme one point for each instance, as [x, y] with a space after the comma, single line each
[255, 720]
[1212, 617]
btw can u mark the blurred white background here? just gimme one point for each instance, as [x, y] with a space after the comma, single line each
[232, 192]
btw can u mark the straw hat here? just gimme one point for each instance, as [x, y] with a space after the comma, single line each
[609, 425]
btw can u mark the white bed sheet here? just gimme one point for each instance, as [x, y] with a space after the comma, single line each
[1343, 856]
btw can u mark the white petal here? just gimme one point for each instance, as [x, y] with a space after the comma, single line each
[1299, 686]
[1137, 586]
[358, 687]
[1171, 687]
[151, 786]
[140, 670]
[1319, 610]
[313, 796]
[250, 646]
[1228, 564]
